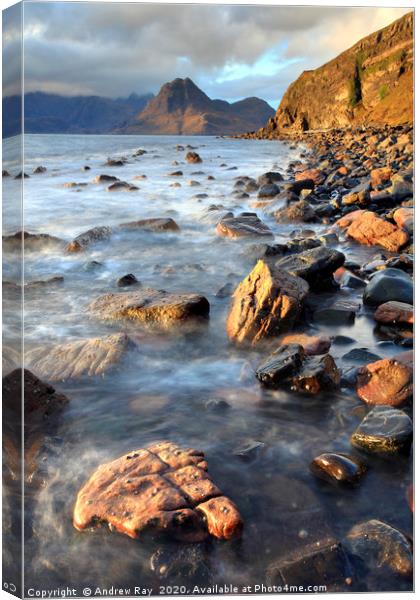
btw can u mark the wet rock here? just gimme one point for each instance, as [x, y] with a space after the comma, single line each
[337, 468]
[32, 241]
[244, 225]
[82, 358]
[22, 175]
[92, 236]
[176, 174]
[150, 306]
[86, 168]
[193, 157]
[341, 312]
[58, 279]
[162, 488]
[386, 381]
[93, 265]
[360, 355]
[323, 562]
[225, 291]
[311, 344]
[193, 183]
[392, 313]
[75, 184]
[39, 170]
[300, 211]
[5, 173]
[127, 280]
[217, 405]
[181, 563]
[384, 430]
[298, 186]
[105, 178]
[121, 186]
[269, 178]
[329, 239]
[371, 230]
[389, 284]
[404, 218]
[342, 340]
[359, 195]
[347, 279]
[284, 362]
[381, 547]
[316, 374]
[154, 224]
[266, 303]
[41, 400]
[316, 265]
[115, 162]
[270, 190]
[249, 451]
[315, 175]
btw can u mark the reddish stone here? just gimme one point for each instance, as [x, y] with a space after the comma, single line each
[394, 312]
[370, 230]
[316, 175]
[162, 488]
[312, 344]
[380, 176]
[388, 381]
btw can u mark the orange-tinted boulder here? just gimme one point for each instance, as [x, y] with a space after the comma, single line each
[404, 218]
[394, 312]
[388, 381]
[311, 344]
[371, 230]
[162, 488]
[316, 175]
[380, 176]
[266, 303]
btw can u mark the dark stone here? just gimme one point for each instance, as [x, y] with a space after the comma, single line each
[112, 162]
[269, 178]
[176, 174]
[225, 291]
[337, 468]
[217, 405]
[281, 365]
[249, 451]
[340, 313]
[316, 374]
[360, 355]
[313, 265]
[126, 280]
[384, 430]
[268, 191]
[382, 548]
[180, 563]
[22, 175]
[389, 284]
[342, 340]
[5, 173]
[39, 170]
[297, 186]
[105, 178]
[321, 563]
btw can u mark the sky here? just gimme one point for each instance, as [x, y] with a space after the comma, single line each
[229, 51]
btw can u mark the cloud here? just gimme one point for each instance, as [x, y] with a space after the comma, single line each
[231, 51]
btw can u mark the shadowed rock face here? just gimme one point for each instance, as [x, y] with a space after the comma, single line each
[162, 489]
[266, 303]
[83, 358]
[149, 305]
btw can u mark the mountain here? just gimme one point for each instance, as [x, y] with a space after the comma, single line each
[52, 113]
[370, 83]
[182, 108]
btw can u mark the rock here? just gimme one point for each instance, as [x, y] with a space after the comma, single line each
[22, 175]
[163, 489]
[389, 284]
[380, 176]
[154, 224]
[92, 236]
[58, 279]
[175, 174]
[180, 563]
[244, 225]
[268, 191]
[401, 188]
[323, 562]
[360, 355]
[371, 230]
[150, 306]
[315, 265]
[121, 186]
[225, 291]
[337, 468]
[315, 175]
[284, 362]
[266, 303]
[404, 218]
[298, 186]
[193, 183]
[75, 184]
[347, 279]
[126, 280]
[105, 178]
[392, 313]
[249, 451]
[33, 241]
[386, 381]
[193, 157]
[341, 312]
[217, 405]
[287, 366]
[115, 162]
[86, 168]
[269, 178]
[41, 400]
[381, 548]
[300, 211]
[5, 173]
[384, 430]
[82, 358]
[311, 344]
[39, 170]
[359, 195]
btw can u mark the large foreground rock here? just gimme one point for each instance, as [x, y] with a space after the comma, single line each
[244, 225]
[369, 229]
[386, 381]
[266, 303]
[150, 306]
[162, 488]
[83, 358]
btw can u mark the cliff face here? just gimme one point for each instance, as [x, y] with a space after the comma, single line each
[370, 83]
[181, 108]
